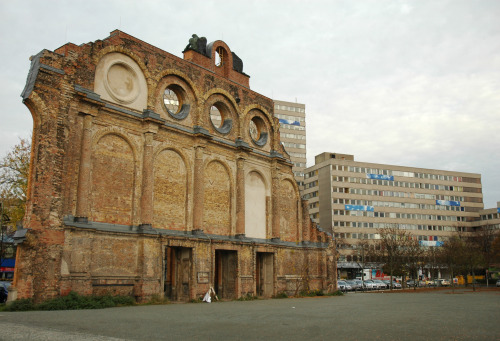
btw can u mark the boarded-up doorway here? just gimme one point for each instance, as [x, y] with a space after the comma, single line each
[178, 273]
[265, 274]
[226, 268]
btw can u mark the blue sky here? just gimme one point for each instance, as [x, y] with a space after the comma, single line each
[411, 83]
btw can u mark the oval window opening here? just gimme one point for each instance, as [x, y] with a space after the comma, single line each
[172, 101]
[254, 130]
[216, 116]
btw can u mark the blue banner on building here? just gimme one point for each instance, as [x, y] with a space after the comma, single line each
[498, 209]
[448, 202]
[358, 208]
[380, 177]
[293, 123]
[430, 243]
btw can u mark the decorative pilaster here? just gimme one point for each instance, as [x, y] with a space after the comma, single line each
[275, 203]
[82, 202]
[147, 182]
[198, 189]
[240, 197]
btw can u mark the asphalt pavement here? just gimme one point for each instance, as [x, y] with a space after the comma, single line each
[430, 315]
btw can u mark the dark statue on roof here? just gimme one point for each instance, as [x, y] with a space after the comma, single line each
[197, 44]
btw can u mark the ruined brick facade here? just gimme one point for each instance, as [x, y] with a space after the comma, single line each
[137, 189]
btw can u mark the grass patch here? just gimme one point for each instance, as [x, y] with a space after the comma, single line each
[73, 301]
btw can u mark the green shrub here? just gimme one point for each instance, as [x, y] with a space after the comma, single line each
[311, 293]
[72, 301]
[24, 304]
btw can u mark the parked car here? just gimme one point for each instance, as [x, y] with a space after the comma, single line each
[430, 283]
[4, 291]
[395, 285]
[441, 282]
[380, 284]
[354, 285]
[343, 286]
[360, 284]
[498, 283]
[412, 283]
[370, 285]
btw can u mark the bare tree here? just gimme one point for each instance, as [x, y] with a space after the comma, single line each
[392, 249]
[363, 249]
[452, 254]
[413, 254]
[483, 241]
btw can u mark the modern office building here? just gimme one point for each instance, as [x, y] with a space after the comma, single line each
[292, 118]
[355, 199]
[489, 219]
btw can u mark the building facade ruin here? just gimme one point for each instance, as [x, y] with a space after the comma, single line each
[157, 175]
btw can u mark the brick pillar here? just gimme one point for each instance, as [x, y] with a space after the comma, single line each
[240, 196]
[275, 203]
[306, 221]
[198, 189]
[82, 203]
[147, 182]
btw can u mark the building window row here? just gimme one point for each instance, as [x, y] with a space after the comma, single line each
[289, 108]
[299, 164]
[299, 155]
[394, 215]
[373, 192]
[291, 118]
[408, 174]
[311, 174]
[377, 236]
[490, 216]
[414, 227]
[399, 205]
[314, 204]
[492, 227]
[405, 184]
[298, 173]
[294, 145]
[293, 136]
[312, 184]
[292, 127]
[311, 195]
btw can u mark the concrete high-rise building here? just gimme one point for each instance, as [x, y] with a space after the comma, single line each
[292, 118]
[353, 200]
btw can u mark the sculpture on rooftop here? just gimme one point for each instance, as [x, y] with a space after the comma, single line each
[197, 44]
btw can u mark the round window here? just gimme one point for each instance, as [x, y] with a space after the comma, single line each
[254, 131]
[221, 121]
[172, 101]
[258, 131]
[216, 116]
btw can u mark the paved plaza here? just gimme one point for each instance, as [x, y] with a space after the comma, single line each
[431, 315]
